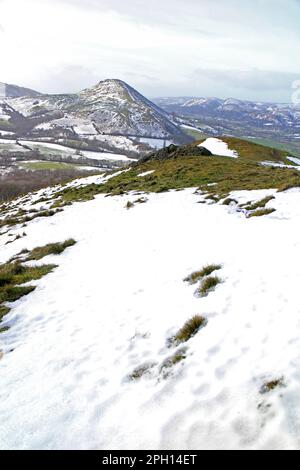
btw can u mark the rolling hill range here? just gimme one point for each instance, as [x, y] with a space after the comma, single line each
[214, 116]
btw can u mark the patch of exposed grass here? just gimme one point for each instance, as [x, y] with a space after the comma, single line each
[189, 329]
[12, 277]
[40, 200]
[16, 273]
[50, 249]
[208, 285]
[141, 200]
[272, 385]
[141, 371]
[289, 185]
[229, 201]
[212, 197]
[3, 329]
[259, 204]
[11, 293]
[170, 362]
[261, 212]
[205, 271]
[22, 216]
[3, 311]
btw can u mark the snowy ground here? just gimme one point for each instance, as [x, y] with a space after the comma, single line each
[115, 299]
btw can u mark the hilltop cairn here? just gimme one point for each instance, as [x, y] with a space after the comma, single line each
[175, 151]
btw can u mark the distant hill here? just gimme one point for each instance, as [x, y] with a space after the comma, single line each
[112, 107]
[237, 117]
[13, 91]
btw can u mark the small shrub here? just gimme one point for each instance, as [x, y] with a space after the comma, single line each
[205, 271]
[261, 212]
[189, 329]
[207, 285]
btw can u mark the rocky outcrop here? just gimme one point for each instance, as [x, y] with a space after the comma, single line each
[174, 151]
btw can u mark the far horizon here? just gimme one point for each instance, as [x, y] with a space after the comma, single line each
[224, 98]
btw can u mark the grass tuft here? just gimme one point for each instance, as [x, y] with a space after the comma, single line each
[261, 212]
[141, 200]
[229, 201]
[3, 311]
[208, 285]
[2, 330]
[259, 204]
[170, 362]
[141, 371]
[129, 205]
[268, 387]
[205, 271]
[50, 249]
[189, 329]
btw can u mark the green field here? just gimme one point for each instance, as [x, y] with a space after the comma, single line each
[197, 134]
[292, 147]
[49, 166]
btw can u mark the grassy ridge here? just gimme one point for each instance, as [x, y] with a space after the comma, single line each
[255, 152]
[229, 174]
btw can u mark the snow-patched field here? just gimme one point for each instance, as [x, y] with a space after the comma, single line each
[115, 299]
[49, 148]
[9, 145]
[218, 147]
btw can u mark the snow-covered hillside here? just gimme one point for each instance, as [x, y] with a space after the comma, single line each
[111, 107]
[89, 361]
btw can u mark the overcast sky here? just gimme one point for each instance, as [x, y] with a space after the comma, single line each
[247, 49]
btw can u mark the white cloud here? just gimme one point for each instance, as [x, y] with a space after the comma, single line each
[66, 45]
